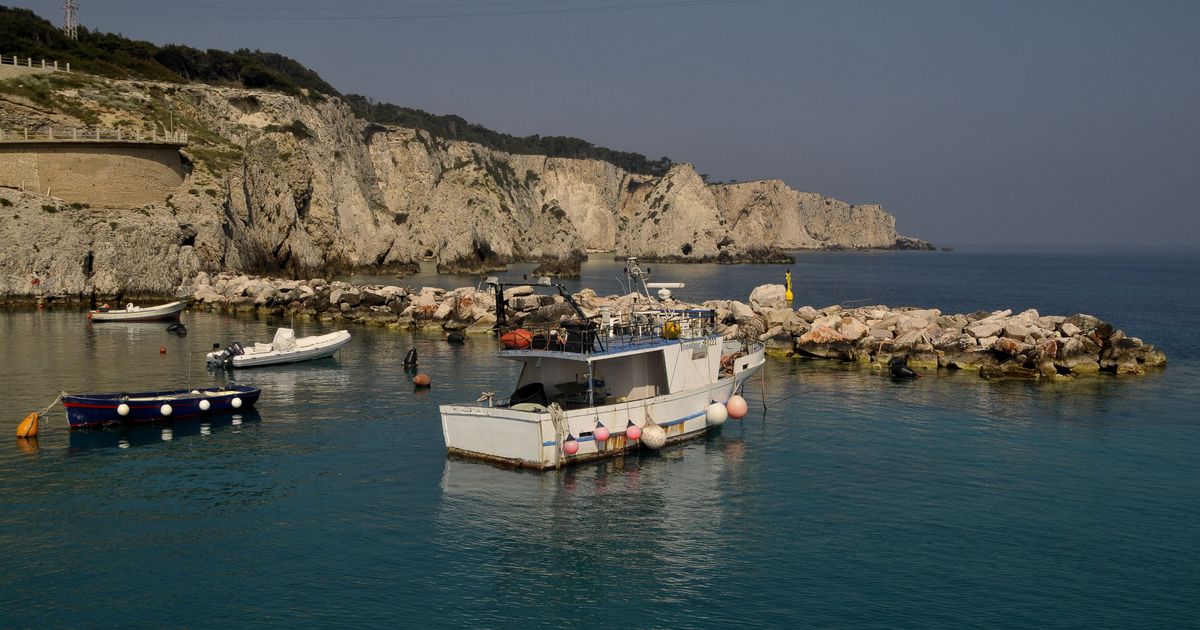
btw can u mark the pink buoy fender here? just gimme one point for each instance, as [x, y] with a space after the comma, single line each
[737, 407]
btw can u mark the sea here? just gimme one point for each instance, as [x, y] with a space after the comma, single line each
[844, 499]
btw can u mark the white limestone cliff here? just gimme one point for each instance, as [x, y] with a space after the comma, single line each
[299, 185]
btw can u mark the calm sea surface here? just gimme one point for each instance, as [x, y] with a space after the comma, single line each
[851, 501]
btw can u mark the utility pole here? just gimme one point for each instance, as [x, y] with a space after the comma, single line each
[70, 27]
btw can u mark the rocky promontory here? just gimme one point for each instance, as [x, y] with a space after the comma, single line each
[1025, 345]
[298, 185]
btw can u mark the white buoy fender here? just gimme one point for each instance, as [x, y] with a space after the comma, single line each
[165, 410]
[204, 405]
[122, 409]
[716, 414]
[236, 403]
[654, 436]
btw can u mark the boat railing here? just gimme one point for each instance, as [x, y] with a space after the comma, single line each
[637, 327]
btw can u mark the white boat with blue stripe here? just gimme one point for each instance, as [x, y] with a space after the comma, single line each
[600, 386]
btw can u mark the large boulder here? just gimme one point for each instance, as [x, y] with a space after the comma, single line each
[851, 328]
[741, 312]
[807, 313]
[824, 343]
[768, 296]
[985, 328]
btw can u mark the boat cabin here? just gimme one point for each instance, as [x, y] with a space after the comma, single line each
[610, 358]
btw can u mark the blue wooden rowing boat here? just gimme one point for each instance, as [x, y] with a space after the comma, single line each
[94, 410]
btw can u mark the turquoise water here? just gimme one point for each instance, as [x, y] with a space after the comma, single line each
[852, 501]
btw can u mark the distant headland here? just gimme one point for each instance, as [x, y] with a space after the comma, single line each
[141, 166]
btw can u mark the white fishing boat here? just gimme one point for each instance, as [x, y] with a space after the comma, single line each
[284, 348]
[133, 313]
[596, 387]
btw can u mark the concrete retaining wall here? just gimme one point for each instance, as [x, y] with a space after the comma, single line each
[98, 174]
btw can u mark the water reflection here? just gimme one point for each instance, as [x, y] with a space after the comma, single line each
[84, 440]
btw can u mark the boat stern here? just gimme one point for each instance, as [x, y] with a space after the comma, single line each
[492, 433]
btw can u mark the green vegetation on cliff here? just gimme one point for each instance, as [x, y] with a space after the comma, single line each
[24, 34]
[457, 128]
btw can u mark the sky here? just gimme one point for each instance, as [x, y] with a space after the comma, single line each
[1037, 124]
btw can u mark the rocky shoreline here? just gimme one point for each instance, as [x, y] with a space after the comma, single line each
[1026, 345]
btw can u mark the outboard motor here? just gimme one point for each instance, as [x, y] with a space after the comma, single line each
[410, 359]
[225, 359]
[898, 367]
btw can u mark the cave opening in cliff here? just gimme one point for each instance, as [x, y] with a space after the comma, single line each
[686, 249]
[483, 251]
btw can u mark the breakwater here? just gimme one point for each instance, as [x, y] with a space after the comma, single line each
[991, 343]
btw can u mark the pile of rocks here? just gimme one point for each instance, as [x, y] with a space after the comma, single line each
[1025, 345]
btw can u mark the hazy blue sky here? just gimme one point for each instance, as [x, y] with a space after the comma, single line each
[1035, 123]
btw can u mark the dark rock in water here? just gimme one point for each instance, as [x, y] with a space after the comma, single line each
[730, 255]
[905, 242]
[568, 266]
[898, 368]
[1009, 369]
[371, 298]
[482, 259]
[947, 248]
[177, 329]
[455, 337]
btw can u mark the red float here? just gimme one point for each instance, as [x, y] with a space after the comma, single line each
[518, 339]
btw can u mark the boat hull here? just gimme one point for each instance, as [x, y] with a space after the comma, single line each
[164, 312]
[531, 439]
[97, 410]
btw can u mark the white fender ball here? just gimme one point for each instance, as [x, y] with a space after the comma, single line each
[737, 407]
[716, 414]
[654, 436]
[122, 409]
[236, 403]
[204, 405]
[165, 410]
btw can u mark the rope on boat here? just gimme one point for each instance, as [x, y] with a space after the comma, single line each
[559, 418]
[28, 428]
[57, 400]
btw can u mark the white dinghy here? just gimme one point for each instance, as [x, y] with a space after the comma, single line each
[133, 313]
[285, 348]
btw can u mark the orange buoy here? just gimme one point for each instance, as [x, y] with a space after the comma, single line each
[518, 339]
[162, 349]
[28, 427]
[421, 380]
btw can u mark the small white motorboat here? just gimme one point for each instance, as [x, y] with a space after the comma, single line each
[133, 313]
[284, 348]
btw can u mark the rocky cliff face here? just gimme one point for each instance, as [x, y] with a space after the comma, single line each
[279, 183]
